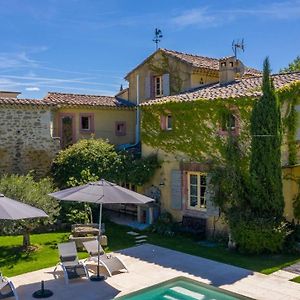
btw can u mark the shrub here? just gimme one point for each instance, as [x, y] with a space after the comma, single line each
[257, 236]
[164, 224]
[35, 193]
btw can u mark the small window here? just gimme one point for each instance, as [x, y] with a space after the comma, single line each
[166, 122]
[196, 190]
[223, 64]
[228, 122]
[201, 81]
[231, 64]
[86, 123]
[158, 87]
[120, 129]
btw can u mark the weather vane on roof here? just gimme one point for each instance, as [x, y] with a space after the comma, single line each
[238, 45]
[157, 37]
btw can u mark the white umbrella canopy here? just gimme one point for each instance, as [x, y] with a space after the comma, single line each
[101, 192]
[14, 210]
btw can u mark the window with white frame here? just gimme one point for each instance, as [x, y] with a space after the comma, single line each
[196, 190]
[168, 122]
[228, 122]
[158, 86]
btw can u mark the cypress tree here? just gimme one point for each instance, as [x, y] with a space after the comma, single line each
[265, 163]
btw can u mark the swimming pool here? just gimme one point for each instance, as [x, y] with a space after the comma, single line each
[182, 288]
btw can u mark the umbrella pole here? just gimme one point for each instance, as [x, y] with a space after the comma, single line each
[98, 277]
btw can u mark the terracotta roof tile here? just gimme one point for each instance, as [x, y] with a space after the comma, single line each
[64, 99]
[196, 61]
[248, 86]
[19, 101]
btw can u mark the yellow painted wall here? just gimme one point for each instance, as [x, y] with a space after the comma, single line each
[196, 78]
[171, 162]
[290, 189]
[104, 120]
[177, 68]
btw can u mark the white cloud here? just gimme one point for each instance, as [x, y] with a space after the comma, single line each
[208, 17]
[32, 89]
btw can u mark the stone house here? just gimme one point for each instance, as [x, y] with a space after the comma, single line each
[33, 131]
[187, 131]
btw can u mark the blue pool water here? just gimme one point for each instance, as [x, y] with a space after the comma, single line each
[182, 289]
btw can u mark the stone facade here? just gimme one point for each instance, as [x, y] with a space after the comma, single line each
[26, 141]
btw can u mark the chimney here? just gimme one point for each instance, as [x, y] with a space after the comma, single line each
[230, 68]
[8, 94]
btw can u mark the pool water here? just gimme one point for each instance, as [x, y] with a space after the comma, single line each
[182, 288]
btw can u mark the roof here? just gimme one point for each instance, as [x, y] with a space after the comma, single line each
[16, 101]
[245, 87]
[196, 61]
[66, 99]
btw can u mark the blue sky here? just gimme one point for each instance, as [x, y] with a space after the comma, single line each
[87, 46]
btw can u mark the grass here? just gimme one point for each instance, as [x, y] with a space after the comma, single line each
[296, 279]
[13, 261]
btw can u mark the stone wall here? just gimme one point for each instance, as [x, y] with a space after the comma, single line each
[25, 140]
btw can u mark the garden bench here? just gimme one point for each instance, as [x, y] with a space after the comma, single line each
[193, 225]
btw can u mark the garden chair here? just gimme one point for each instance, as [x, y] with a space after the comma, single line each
[111, 263]
[7, 288]
[69, 263]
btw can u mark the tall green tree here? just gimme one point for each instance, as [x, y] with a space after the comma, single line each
[293, 66]
[265, 163]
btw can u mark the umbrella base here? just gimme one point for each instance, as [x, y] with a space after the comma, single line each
[42, 294]
[97, 278]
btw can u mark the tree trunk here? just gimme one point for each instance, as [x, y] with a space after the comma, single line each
[26, 239]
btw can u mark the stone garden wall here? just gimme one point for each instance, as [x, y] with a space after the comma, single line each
[25, 140]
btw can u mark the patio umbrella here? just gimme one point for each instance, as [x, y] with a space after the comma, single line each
[14, 210]
[101, 192]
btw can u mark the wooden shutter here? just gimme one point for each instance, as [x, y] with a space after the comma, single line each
[152, 87]
[166, 84]
[147, 87]
[176, 189]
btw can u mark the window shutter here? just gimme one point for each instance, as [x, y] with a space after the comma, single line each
[147, 87]
[211, 209]
[152, 87]
[176, 190]
[163, 122]
[166, 84]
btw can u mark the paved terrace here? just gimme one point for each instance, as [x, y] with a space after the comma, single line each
[148, 265]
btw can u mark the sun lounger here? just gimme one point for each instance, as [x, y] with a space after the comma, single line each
[72, 268]
[7, 288]
[110, 262]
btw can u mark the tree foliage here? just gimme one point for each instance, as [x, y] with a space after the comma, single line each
[29, 191]
[293, 66]
[265, 162]
[93, 159]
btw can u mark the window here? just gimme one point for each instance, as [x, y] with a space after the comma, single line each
[196, 190]
[158, 87]
[120, 128]
[228, 122]
[166, 122]
[86, 123]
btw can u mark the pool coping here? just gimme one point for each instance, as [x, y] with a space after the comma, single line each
[184, 278]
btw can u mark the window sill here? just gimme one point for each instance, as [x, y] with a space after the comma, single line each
[85, 131]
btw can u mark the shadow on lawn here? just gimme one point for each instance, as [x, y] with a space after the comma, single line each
[11, 255]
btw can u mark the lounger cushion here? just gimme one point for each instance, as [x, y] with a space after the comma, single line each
[5, 290]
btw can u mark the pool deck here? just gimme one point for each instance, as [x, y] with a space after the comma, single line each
[148, 265]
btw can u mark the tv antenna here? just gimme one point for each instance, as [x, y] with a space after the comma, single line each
[157, 37]
[238, 46]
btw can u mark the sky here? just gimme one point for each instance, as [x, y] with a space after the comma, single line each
[88, 46]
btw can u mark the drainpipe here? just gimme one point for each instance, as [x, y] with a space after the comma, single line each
[138, 117]
[137, 128]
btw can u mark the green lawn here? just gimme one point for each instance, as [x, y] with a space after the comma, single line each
[13, 261]
[296, 279]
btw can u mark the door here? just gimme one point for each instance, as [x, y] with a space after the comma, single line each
[67, 134]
